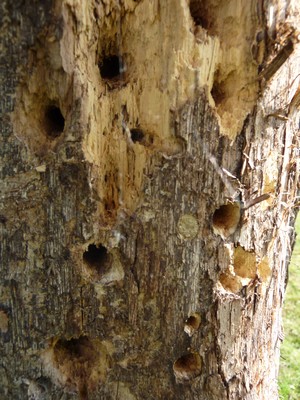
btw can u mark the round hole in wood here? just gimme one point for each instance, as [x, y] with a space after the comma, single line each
[97, 257]
[187, 367]
[226, 219]
[110, 67]
[137, 135]
[192, 324]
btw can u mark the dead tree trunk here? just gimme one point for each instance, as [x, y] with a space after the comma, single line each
[149, 175]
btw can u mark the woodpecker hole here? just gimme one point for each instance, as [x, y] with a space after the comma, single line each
[138, 135]
[218, 93]
[244, 263]
[111, 67]
[223, 87]
[243, 270]
[199, 13]
[187, 367]
[192, 324]
[226, 219]
[230, 282]
[75, 348]
[97, 258]
[78, 364]
[54, 122]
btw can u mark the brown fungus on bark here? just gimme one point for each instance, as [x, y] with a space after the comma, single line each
[54, 122]
[192, 324]
[226, 219]
[187, 367]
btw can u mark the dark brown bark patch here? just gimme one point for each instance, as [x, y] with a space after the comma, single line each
[78, 364]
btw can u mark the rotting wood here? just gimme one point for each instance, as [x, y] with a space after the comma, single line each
[110, 185]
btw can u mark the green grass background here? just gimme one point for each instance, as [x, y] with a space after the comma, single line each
[289, 373]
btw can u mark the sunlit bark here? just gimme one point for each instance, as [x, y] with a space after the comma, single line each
[149, 174]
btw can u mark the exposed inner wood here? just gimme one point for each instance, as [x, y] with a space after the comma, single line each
[147, 197]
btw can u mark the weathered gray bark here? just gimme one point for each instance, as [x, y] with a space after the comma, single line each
[119, 280]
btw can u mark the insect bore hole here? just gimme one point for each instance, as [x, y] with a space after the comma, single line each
[137, 135]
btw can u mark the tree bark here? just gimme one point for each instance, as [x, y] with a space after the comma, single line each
[149, 182]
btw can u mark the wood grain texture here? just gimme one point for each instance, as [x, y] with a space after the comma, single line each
[107, 239]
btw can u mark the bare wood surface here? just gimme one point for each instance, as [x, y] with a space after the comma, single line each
[137, 138]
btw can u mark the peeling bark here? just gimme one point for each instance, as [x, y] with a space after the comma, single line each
[150, 169]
